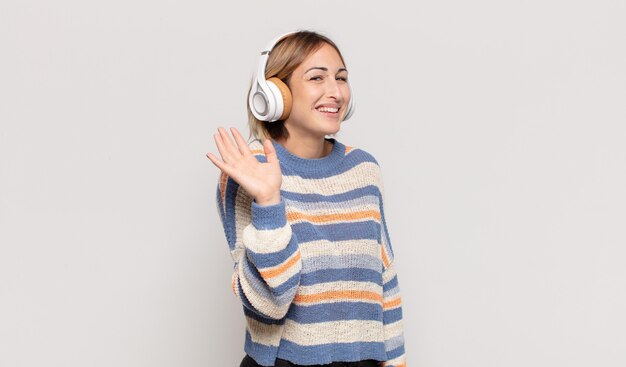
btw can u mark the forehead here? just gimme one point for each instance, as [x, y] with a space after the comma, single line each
[325, 56]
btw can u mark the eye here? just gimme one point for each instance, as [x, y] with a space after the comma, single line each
[316, 78]
[342, 78]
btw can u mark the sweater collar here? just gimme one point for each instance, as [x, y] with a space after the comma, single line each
[299, 164]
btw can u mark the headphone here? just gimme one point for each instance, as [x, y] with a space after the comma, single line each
[270, 100]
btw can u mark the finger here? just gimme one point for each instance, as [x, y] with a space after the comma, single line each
[226, 156]
[243, 146]
[228, 143]
[270, 151]
[219, 164]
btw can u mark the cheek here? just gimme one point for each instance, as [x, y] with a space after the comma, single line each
[346, 92]
[305, 99]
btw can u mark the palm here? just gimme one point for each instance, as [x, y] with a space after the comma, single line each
[260, 180]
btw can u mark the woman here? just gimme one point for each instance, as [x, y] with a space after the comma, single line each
[303, 216]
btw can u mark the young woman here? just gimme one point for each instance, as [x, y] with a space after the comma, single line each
[304, 219]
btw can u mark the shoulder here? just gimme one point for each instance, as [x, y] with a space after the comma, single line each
[365, 164]
[359, 156]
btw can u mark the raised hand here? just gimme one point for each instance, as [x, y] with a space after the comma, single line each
[261, 180]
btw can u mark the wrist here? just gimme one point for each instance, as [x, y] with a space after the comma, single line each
[270, 200]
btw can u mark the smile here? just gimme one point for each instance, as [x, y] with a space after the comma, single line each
[328, 109]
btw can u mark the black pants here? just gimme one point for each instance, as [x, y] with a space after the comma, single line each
[249, 362]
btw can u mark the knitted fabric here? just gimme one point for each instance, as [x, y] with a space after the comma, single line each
[315, 273]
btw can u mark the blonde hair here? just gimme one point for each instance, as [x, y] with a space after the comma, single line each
[284, 58]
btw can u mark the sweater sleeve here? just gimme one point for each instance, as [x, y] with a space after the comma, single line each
[392, 302]
[265, 252]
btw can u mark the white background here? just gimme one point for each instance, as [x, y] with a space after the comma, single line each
[499, 127]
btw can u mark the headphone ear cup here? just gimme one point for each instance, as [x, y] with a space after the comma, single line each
[285, 96]
[350, 109]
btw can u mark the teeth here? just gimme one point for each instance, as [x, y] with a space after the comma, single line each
[328, 109]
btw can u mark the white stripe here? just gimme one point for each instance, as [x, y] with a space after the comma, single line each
[389, 273]
[393, 330]
[339, 248]
[340, 286]
[266, 334]
[343, 331]
[321, 207]
[361, 175]
[266, 241]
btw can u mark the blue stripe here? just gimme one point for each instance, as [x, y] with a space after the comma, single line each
[246, 303]
[290, 283]
[352, 159]
[261, 158]
[395, 353]
[364, 230]
[324, 262]
[265, 320]
[355, 274]
[269, 216]
[392, 283]
[391, 292]
[393, 315]
[263, 354]
[395, 342]
[227, 213]
[334, 312]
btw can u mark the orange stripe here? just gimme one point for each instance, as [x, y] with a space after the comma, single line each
[392, 304]
[392, 365]
[234, 284]
[223, 180]
[261, 151]
[384, 255]
[281, 269]
[293, 216]
[338, 295]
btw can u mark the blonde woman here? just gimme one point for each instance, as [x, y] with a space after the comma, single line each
[304, 219]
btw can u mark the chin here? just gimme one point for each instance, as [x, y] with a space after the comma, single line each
[332, 131]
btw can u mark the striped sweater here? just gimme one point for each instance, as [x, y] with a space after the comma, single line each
[315, 273]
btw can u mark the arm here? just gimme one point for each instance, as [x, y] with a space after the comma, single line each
[265, 252]
[392, 302]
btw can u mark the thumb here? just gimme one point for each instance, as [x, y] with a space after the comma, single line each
[270, 151]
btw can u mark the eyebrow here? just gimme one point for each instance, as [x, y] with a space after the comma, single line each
[325, 69]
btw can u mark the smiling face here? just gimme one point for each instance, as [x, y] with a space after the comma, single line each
[320, 92]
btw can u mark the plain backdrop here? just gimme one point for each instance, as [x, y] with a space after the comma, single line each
[499, 127]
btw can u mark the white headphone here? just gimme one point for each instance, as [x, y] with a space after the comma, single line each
[270, 100]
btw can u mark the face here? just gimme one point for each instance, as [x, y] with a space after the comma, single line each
[320, 92]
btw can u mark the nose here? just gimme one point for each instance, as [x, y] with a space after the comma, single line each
[337, 89]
